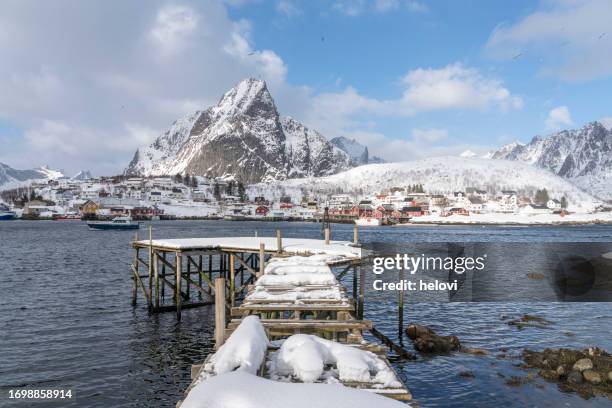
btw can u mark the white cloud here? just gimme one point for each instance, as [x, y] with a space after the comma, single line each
[455, 87]
[288, 8]
[354, 8]
[574, 36]
[93, 80]
[416, 6]
[386, 5]
[558, 118]
[173, 27]
[429, 135]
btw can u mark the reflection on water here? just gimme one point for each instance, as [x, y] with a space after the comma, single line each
[67, 319]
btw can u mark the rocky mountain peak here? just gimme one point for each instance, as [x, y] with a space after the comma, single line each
[244, 137]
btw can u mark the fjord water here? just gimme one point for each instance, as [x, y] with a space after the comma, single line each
[67, 322]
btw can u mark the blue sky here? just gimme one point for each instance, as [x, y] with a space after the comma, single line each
[83, 85]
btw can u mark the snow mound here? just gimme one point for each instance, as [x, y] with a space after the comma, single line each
[244, 350]
[242, 390]
[297, 270]
[305, 357]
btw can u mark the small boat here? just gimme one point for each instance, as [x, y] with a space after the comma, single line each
[7, 215]
[117, 223]
[368, 222]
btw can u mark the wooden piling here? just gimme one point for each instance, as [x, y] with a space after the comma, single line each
[232, 274]
[135, 287]
[279, 242]
[361, 291]
[219, 312]
[327, 233]
[400, 310]
[200, 271]
[150, 297]
[262, 259]
[178, 297]
[156, 277]
[355, 235]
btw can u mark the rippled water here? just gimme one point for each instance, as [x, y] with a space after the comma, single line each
[67, 322]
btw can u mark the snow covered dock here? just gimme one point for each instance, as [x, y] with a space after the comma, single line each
[298, 329]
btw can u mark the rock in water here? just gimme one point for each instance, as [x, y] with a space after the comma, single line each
[575, 377]
[583, 364]
[426, 341]
[591, 376]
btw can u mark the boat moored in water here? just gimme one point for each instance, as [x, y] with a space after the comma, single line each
[117, 223]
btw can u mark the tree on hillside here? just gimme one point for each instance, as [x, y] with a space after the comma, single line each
[541, 197]
[563, 202]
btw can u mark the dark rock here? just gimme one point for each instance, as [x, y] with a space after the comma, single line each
[575, 377]
[426, 341]
[466, 374]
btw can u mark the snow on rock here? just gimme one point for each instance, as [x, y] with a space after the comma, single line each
[244, 137]
[306, 357]
[244, 350]
[583, 156]
[11, 178]
[242, 390]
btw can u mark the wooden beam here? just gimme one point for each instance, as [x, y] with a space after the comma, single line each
[156, 277]
[232, 273]
[168, 264]
[279, 242]
[355, 235]
[245, 265]
[327, 234]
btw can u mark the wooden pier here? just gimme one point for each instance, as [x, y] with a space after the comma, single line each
[176, 274]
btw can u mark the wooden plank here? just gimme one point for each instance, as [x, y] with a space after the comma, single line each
[178, 296]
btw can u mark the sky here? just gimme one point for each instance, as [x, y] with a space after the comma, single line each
[84, 84]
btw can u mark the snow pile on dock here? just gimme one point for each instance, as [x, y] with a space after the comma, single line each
[245, 350]
[242, 390]
[308, 358]
[297, 278]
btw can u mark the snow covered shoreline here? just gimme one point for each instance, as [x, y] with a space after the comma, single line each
[513, 219]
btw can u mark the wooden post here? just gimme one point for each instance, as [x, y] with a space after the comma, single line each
[361, 291]
[279, 242]
[187, 290]
[262, 259]
[135, 288]
[219, 312]
[355, 235]
[163, 274]
[327, 236]
[232, 280]
[200, 271]
[150, 299]
[178, 285]
[156, 274]
[355, 285]
[256, 234]
[210, 268]
[401, 307]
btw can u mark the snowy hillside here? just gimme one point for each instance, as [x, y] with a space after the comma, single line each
[12, 178]
[437, 175]
[82, 175]
[242, 136]
[583, 156]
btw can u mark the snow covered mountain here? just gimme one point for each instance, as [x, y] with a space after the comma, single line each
[358, 152]
[243, 136]
[82, 175]
[12, 178]
[583, 156]
[437, 175]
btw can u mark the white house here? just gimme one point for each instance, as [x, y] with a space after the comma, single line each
[553, 204]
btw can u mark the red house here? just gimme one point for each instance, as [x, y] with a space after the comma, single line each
[262, 210]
